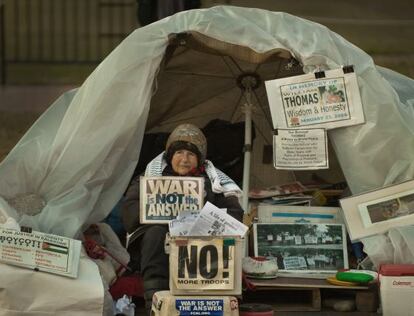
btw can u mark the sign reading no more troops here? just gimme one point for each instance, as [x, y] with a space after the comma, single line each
[304, 101]
[300, 149]
[198, 264]
[162, 198]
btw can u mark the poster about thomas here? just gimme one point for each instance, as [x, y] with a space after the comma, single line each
[163, 198]
[197, 264]
[304, 101]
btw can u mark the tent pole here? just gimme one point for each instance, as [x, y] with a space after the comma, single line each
[247, 151]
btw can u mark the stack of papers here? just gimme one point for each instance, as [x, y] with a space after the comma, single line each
[210, 221]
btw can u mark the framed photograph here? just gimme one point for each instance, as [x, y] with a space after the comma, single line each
[311, 248]
[377, 211]
[299, 214]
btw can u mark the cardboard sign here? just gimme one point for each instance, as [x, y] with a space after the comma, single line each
[41, 252]
[163, 198]
[190, 307]
[329, 102]
[304, 149]
[203, 264]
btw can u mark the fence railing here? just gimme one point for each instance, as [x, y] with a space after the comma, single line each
[62, 31]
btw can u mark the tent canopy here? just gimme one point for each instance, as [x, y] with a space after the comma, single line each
[79, 156]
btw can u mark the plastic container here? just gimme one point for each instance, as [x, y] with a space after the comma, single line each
[397, 289]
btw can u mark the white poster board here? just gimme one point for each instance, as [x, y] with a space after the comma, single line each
[305, 101]
[300, 149]
[375, 212]
[163, 198]
[40, 252]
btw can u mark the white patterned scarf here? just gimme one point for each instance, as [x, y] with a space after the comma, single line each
[220, 182]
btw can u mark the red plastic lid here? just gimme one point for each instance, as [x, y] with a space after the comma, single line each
[396, 269]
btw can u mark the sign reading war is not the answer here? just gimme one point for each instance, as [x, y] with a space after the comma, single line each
[203, 264]
[208, 307]
[304, 101]
[163, 198]
[300, 149]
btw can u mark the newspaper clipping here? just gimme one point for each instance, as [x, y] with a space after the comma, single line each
[212, 221]
[41, 252]
[331, 102]
[163, 198]
[203, 264]
[300, 149]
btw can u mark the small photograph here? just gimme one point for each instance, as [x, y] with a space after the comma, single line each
[331, 94]
[303, 247]
[393, 208]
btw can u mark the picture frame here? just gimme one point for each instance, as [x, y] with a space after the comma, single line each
[376, 211]
[302, 248]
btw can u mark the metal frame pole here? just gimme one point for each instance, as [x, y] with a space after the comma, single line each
[247, 150]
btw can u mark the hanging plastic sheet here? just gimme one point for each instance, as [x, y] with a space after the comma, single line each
[79, 156]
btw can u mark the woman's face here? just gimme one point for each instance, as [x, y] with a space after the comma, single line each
[183, 161]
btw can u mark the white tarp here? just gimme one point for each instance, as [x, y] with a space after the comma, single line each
[80, 155]
[27, 292]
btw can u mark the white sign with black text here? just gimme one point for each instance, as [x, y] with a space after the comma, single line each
[300, 149]
[306, 101]
[41, 252]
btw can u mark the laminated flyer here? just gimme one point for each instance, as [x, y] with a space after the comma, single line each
[300, 149]
[163, 198]
[328, 100]
[40, 252]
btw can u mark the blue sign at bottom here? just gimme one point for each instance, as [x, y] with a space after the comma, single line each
[192, 307]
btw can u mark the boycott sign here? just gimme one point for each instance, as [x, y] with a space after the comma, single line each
[41, 252]
[331, 102]
[300, 149]
[191, 307]
[162, 198]
[203, 264]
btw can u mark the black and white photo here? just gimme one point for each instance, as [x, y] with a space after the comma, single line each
[302, 247]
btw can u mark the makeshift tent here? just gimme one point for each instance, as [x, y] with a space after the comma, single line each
[79, 156]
